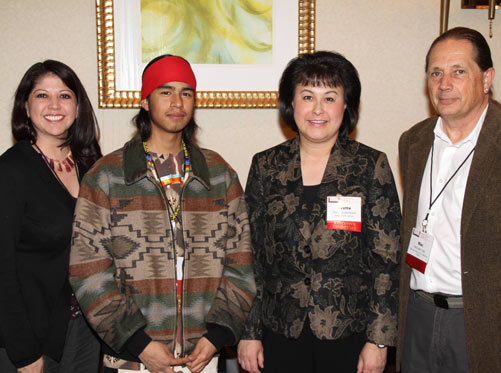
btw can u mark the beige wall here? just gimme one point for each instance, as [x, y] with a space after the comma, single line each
[385, 39]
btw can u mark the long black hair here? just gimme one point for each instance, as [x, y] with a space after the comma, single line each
[142, 119]
[83, 135]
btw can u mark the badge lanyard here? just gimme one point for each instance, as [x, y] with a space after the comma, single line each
[432, 202]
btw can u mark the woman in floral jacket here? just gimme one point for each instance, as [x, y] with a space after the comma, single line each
[325, 220]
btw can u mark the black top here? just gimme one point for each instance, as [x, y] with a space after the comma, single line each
[309, 194]
[36, 216]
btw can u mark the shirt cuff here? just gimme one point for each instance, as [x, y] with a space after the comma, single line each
[137, 343]
[219, 336]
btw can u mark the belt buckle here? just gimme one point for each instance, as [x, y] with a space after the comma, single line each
[440, 301]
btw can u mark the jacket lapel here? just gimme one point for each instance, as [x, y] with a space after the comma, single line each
[307, 220]
[417, 156]
[332, 183]
[293, 180]
[134, 161]
[482, 164]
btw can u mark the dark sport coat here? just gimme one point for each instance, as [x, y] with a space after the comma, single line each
[480, 235]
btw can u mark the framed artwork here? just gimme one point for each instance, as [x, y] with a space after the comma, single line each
[238, 49]
[478, 4]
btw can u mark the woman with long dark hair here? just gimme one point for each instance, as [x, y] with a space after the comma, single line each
[56, 133]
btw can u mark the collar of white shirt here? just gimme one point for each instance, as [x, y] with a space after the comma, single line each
[472, 137]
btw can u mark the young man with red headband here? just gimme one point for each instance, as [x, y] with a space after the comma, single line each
[161, 260]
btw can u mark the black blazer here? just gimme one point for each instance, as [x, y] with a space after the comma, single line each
[35, 231]
[344, 282]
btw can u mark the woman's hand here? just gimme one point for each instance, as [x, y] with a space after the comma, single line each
[372, 359]
[35, 367]
[251, 355]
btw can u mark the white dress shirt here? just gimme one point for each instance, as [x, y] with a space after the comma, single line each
[443, 272]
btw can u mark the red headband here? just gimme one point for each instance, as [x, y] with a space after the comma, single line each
[167, 69]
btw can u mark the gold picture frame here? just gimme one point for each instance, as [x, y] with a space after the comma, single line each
[110, 97]
[478, 4]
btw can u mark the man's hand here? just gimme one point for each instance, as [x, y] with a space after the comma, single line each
[35, 367]
[372, 359]
[251, 355]
[158, 358]
[201, 355]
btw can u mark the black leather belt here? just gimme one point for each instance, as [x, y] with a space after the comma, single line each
[442, 301]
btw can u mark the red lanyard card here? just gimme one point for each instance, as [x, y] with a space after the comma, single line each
[418, 253]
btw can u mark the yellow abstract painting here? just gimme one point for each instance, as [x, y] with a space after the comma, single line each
[208, 31]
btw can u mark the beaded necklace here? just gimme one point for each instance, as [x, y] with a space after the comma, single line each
[169, 179]
[56, 164]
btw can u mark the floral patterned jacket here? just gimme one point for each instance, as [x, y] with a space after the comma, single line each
[345, 282]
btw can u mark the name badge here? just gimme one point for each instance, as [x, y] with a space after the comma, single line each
[344, 213]
[418, 253]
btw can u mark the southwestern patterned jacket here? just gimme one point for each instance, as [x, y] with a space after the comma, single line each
[344, 282]
[122, 263]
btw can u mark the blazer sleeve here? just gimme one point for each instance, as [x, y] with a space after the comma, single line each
[383, 242]
[113, 315]
[255, 201]
[403, 145]
[23, 347]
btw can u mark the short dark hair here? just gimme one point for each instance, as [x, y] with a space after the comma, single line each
[481, 50]
[321, 68]
[83, 135]
[143, 122]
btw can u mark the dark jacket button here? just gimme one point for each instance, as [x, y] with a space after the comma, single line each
[307, 249]
[307, 281]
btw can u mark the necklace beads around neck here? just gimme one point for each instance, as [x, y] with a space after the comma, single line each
[162, 184]
[67, 164]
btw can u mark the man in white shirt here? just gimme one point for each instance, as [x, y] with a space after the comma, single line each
[450, 288]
